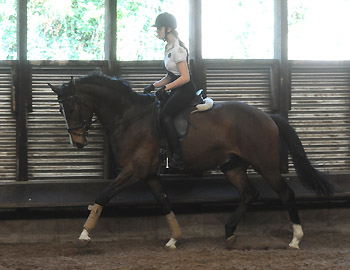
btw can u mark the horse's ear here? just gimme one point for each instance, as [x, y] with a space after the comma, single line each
[54, 88]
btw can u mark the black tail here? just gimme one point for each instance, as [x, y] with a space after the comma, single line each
[311, 178]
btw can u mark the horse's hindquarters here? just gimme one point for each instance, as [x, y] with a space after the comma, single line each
[231, 128]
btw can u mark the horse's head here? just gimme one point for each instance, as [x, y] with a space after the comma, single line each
[77, 110]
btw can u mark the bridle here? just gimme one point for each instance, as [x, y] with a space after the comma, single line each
[86, 124]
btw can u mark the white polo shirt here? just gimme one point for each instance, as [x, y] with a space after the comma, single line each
[174, 54]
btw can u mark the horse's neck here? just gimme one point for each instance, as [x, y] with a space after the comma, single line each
[113, 110]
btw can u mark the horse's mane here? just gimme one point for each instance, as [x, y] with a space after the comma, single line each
[116, 85]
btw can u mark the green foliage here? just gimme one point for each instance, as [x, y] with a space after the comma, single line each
[66, 29]
[74, 29]
[135, 37]
[297, 14]
[8, 30]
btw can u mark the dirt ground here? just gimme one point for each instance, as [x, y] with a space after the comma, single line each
[318, 251]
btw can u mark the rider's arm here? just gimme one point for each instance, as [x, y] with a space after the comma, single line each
[165, 80]
[183, 79]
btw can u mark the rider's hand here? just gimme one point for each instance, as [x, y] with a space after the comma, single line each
[162, 93]
[148, 89]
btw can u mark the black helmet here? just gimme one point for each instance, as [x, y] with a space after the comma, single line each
[165, 19]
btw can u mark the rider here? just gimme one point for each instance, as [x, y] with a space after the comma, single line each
[177, 81]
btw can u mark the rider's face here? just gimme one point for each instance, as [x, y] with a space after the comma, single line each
[161, 32]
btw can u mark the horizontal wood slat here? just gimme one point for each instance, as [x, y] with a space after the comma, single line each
[8, 158]
[141, 74]
[320, 113]
[50, 155]
[249, 84]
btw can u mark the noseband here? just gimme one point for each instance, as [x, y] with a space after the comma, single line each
[86, 124]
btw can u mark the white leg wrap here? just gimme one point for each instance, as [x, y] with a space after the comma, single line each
[84, 236]
[171, 243]
[297, 235]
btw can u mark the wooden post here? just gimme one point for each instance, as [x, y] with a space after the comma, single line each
[195, 39]
[22, 93]
[111, 35]
[111, 57]
[281, 53]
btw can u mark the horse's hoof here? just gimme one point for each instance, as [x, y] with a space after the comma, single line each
[297, 236]
[230, 242]
[82, 243]
[294, 246]
[85, 239]
[84, 236]
[170, 247]
[171, 244]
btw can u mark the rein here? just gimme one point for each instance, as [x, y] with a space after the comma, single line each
[131, 119]
[87, 123]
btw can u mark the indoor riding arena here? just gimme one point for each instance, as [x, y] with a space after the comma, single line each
[84, 177]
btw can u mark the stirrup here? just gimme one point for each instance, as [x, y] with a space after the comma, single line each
[176, 162]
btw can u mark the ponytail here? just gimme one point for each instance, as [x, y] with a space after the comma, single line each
[176, 34]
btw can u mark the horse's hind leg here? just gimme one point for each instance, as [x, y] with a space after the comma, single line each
[238, 177]
[286, 194]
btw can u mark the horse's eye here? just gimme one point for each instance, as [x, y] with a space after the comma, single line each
[68, 108]
[64, 110]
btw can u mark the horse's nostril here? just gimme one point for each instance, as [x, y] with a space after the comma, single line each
[78, 145]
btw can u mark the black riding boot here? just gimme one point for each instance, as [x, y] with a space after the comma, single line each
[175, 161]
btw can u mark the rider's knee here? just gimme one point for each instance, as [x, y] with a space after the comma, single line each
[165, 119]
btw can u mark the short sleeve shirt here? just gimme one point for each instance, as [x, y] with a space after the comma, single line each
[174, 54]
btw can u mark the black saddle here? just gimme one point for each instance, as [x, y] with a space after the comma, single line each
[182, 120]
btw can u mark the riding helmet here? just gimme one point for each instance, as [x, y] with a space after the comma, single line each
[165, 19]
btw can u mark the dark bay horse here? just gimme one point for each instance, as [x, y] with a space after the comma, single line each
[232, 135]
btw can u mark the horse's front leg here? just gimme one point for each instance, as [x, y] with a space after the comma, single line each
[95, 212]
[162, 199]
[124, 179]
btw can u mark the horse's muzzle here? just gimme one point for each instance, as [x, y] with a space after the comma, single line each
[79, 145]
[77, 139]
